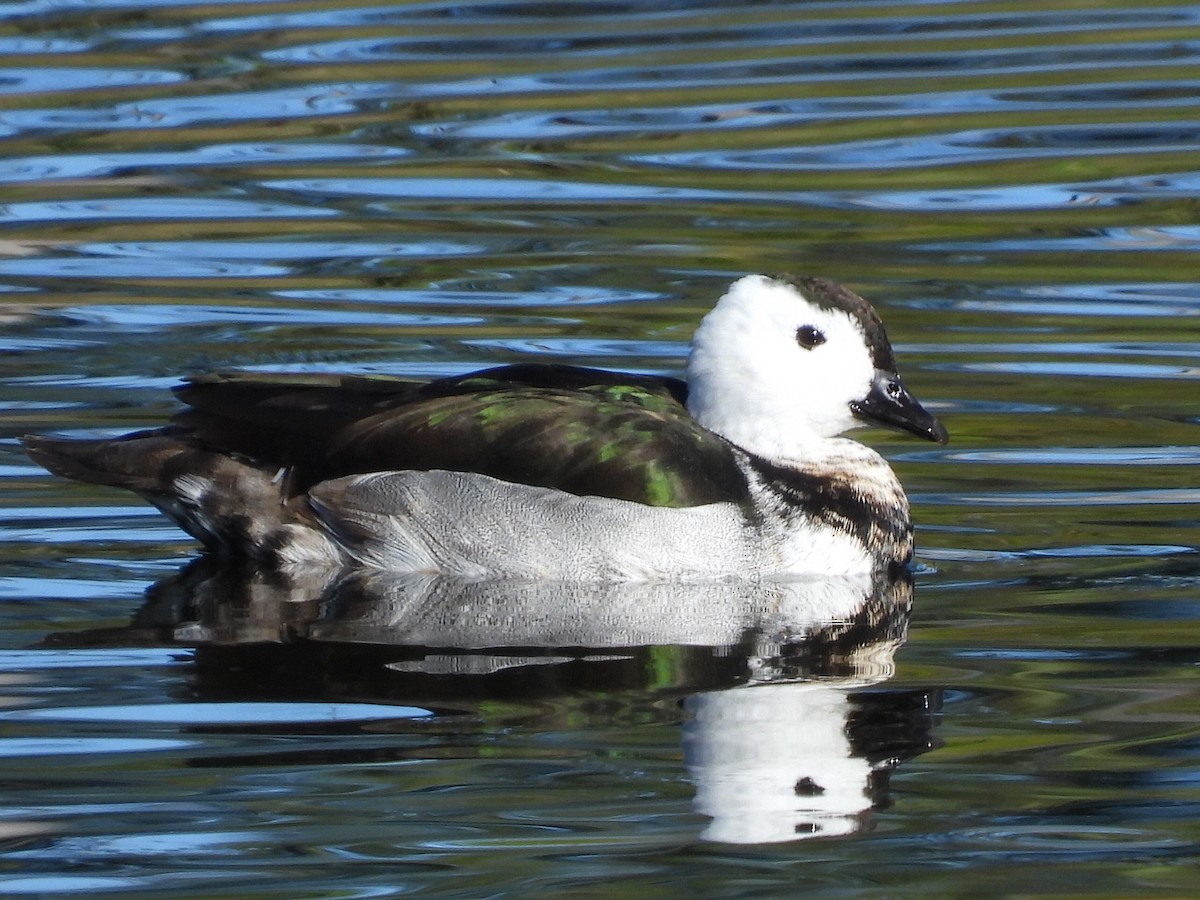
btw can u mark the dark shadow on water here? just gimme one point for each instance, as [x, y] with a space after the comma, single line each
[786, 730]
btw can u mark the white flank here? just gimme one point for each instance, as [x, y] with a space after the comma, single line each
[473, 526]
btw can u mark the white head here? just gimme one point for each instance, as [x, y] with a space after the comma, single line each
[779, 364]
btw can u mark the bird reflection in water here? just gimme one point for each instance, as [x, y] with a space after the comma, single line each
[787, 732]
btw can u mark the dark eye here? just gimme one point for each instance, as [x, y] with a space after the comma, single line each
[808, 337]
[894, 390]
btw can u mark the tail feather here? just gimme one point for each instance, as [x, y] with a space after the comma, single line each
[136, 462]
[235, 507]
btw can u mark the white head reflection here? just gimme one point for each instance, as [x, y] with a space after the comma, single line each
[774, 762]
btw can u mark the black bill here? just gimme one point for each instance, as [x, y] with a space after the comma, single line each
[890, 404]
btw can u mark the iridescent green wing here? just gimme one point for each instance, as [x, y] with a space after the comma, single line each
[626, 441]
[586, 431]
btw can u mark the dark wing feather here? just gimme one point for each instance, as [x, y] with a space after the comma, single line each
[283, 419]
[585, 431]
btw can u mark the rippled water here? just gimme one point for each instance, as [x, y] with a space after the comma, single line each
[429, 188]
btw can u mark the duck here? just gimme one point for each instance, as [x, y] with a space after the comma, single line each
[551, 471]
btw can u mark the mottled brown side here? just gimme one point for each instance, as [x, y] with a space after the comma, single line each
[843, 498]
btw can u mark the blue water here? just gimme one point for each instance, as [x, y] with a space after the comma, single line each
[428, 188]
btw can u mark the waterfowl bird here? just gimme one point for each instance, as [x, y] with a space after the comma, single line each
[552, 471]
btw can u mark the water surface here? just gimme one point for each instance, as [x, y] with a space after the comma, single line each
[428, 188]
